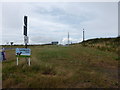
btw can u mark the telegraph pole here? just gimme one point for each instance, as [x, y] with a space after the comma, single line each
[83, 35]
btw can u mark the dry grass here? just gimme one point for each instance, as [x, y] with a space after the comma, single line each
[104, 44]
[62, 67]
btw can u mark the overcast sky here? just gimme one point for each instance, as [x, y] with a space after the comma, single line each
[51, 21]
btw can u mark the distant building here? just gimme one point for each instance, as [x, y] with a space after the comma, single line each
[54, 43]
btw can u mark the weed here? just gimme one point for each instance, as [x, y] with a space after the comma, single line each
[75, 66]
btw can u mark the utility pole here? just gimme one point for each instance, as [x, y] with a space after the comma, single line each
[68, 38]
[83, 35]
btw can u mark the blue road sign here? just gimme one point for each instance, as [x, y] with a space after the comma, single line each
[23, 52]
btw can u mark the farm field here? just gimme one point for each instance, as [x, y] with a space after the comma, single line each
[74, 66]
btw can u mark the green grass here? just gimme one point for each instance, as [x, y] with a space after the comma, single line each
[75, 66]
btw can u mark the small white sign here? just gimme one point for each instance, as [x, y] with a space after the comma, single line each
[23, 51]
[26, 39]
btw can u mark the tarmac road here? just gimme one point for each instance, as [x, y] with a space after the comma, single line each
[1, 58]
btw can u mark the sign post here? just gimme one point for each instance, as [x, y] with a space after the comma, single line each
[29, 62]
[17, 61]
[24, 52]
[25, 40]
[25, 31]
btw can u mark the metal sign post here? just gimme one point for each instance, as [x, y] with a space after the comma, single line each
[17, 61]
[25, 31]
[24, 52]
[25, 41]
[29, 61]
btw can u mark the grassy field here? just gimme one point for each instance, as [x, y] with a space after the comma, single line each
[74, 66]
[104, 44]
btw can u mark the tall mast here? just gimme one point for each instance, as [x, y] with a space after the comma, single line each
[68, 38]
[83, 35]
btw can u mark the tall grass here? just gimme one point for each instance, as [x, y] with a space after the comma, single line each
[104, 44]
[75, 66]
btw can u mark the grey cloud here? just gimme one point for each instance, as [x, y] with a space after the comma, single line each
[12, 15]
[44, 39]
[51, 21]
